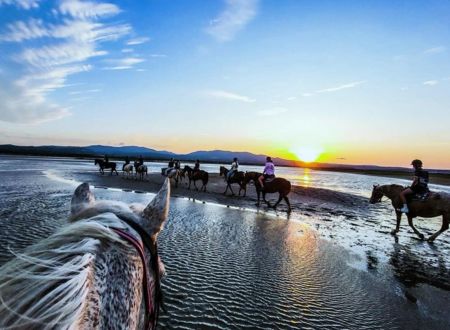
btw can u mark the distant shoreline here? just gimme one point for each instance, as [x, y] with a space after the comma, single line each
[435, 178]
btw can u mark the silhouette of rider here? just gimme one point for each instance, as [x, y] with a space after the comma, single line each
[141, 160]
[419, 185]
[106, 159]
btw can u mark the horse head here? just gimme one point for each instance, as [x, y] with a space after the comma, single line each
[223, 170]
[377, 194]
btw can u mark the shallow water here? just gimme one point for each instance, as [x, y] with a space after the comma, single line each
[232, 269]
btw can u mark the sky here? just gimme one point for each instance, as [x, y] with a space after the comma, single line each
[351, 82]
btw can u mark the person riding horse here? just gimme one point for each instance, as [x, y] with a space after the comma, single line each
[233, 169]
[106, 159]
[196, 167]
[127, 161]
[268, 173]
[419, 185]
[141, 160]
[170, 166]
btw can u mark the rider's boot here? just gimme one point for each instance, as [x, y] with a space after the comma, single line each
[404, 209]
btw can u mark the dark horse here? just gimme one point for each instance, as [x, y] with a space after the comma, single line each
[197, 175]
[102, 165]
[276, 185]
[436, 205]
[238, 178]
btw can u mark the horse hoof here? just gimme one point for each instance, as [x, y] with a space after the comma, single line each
[421, 237]
[430, 240]
[393, 232]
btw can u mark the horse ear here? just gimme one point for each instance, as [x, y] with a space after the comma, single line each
[157, 210]
[81, 198]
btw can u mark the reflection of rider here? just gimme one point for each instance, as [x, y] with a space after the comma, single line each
[269, 172]
[419, 185]
[233, 169]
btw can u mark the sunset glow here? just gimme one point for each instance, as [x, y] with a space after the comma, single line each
[308, 154]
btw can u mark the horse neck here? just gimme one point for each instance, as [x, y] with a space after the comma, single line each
[391, 191]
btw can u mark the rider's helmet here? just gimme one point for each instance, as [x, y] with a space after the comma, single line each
[234, 159]
[268, 159]
[417, 163]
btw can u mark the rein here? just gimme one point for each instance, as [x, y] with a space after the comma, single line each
[151, 310]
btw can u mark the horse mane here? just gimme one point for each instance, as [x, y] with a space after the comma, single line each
[48, 283]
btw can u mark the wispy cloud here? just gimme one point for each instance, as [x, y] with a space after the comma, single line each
[435, 50]
[272, 112]
[236, 15]
[127, 50]
[124, 63]
[137, 41]
[340, 87]
[158, 55]
[70, 43]
[430, 82]
[230, 96]
[24, 4]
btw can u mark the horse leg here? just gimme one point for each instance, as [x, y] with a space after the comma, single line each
[278, 201]
[397, 227]
[189, 188]
[195, 185]
[226, 189]
[231, 189]
[410, 222]
[264, 199]
[286, 199]
[445, 225]
[258, 194]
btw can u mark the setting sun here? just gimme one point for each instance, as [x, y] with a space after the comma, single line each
[307, 154]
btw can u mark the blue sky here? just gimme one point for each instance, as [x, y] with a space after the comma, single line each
[361, 81]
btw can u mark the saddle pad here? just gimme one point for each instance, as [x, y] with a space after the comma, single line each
[421, 197]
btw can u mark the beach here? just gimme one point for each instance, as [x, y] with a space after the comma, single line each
[231, 264]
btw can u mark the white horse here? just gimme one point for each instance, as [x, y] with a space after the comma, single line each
[172, 173]
[140, 170]
[102, 271]
[128, 170]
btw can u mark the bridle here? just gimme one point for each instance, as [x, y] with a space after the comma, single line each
[151, 309]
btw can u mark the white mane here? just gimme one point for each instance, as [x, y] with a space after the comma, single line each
[58, 271]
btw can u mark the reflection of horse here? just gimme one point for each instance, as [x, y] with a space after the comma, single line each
[276, 185]
[196, 175]
[434, 206]
[238, 178]
[128, 169]
[102, 165]
[101, 271]
[140, 170]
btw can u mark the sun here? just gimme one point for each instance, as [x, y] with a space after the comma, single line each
[307, 153]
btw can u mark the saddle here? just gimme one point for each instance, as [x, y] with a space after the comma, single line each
[421, 196]
[269, 180]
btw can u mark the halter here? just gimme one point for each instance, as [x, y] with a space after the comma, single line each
[151, 310]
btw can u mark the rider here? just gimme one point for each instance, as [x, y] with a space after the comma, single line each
[106, 159]
[170, 166]
[233, 169]
[419, 185]
[141, 160]
[127, 161]
[196, 166]
[177, 165]
[269, 172]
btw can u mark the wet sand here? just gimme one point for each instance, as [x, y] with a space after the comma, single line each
[306, 200]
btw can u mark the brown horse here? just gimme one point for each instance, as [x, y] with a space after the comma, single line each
[277, 185]
[102, 165]
[436, 205]
[196, 175]
[238, 178]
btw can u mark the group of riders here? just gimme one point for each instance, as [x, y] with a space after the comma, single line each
[173, 164]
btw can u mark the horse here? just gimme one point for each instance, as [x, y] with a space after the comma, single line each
[101, 271]
[437, 204]
[141, 169]
[128, 169]
[102, 165]
[238, 178]
[276, 185]
[172, 173]
[196, 175]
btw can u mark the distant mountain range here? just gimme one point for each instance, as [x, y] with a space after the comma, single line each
[212, 156]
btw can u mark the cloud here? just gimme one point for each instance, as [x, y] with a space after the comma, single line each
[158, 55]
[236, 15]
[24, 4]
[63, 48]
[127, 50]
[230, 96]
[137, 41]
[124, 63]
[430, 82]
[340, 87]
[87, 9]
[435, 50]
[272, 112]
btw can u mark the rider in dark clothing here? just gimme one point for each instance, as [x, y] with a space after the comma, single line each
[419, 185]
[177, 165]
[171, 163]
[106, 159]
[141, 160]
[196, 166]
[127, 161]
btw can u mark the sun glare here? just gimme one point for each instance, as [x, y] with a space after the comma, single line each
[307, 154]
